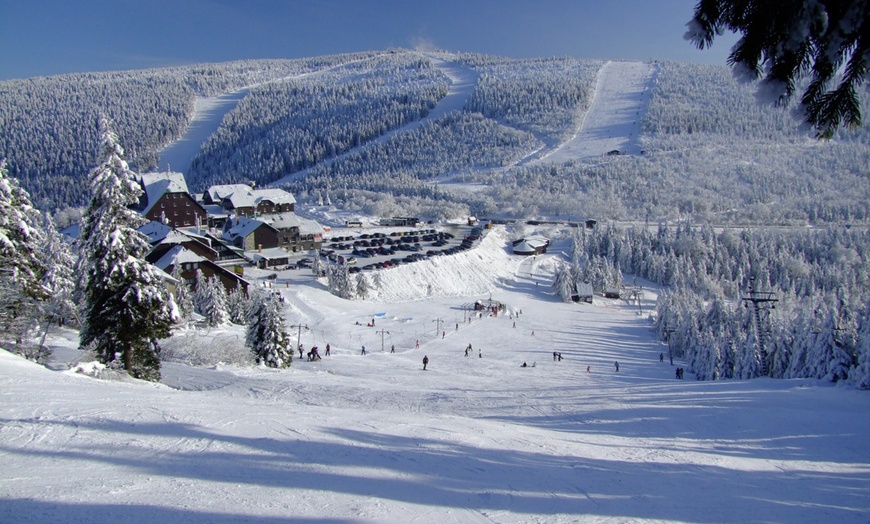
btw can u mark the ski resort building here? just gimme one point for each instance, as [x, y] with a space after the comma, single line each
[244, 201]
[166, 199]
[534, 245]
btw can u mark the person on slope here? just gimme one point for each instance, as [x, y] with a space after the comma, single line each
[425, 362]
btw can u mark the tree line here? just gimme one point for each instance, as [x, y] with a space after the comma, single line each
[820, 327]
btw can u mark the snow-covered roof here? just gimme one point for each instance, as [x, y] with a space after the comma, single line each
[268, 254]
[155, 231]
[282, 221]
[242, 227]
[241, 195]
[309, 227]
[218, 193]
[157, 184]
[177, 255]
[537, 241]
[523, 248]
[584, 289]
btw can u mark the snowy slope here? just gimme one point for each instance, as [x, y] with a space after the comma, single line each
[207, 117]
[473, 439]
[613, 120]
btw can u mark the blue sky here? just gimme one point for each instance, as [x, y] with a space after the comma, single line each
[46, 37]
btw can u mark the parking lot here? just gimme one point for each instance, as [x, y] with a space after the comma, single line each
[383, 249]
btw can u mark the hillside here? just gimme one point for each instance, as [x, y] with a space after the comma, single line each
[473, 439]
[452, 134]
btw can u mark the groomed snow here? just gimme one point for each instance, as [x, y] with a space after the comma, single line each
[473, 439]
[613, 120]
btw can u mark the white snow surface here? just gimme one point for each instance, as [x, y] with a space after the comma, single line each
[613, 120]
[472, 439]
[207, 116]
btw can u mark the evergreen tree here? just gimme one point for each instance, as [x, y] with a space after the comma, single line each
[211, 300]
[362, 286]
[21, 266]
[266, 335]
[126, 308]
[564, 282]
[183, 295]
[861, 372]
[238, 306]
[338, 281]
[317, 265]
[788, 40]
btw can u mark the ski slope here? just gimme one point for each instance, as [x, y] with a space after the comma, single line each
[476, 439]
[613, 120]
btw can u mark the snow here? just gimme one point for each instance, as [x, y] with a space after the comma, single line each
[473, 439]
[613, 120]
[207, 115]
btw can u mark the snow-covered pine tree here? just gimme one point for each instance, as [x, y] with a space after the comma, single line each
[58, 278]
[860, 374]
[238, 306]
[266, 334]
[21, 266]
[183, 295]
[564, 282]
[126, 307]
[211, 300]
[317, 264]
[338, 278]
[362, 286]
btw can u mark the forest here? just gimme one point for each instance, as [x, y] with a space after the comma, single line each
[728, 191]
[817, 280]
[48, 125]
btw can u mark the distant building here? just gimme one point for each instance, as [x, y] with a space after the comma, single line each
[250, 234]
[165, 199]
[189, 262]
[400, 222]
[583, 292]
[294, 232]
[245, 201]
[533, 245]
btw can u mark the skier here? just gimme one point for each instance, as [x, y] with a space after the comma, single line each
[363, 352]
[418, 344]
[327, 350]
[677, 371]
[524, 365]
[589, 369]
[393, 348]
[554, 356]
[616, 365]
[425, 362]
[300, 350]
[559, 354]
[661, 357]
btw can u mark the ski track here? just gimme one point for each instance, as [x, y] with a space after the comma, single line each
[613, 120]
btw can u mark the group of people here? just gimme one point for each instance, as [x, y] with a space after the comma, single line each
[679, 373]
[314, 354]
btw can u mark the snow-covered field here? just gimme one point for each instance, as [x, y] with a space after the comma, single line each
[375, 438]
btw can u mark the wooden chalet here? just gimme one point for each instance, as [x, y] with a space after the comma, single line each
[166, 199]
